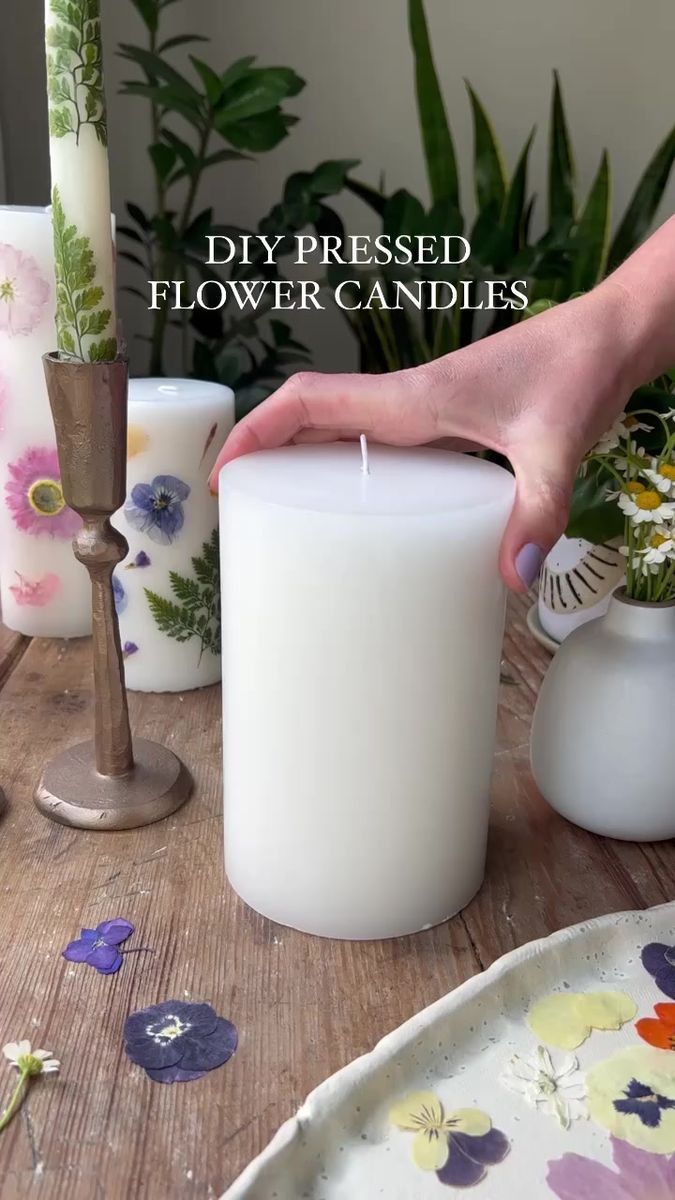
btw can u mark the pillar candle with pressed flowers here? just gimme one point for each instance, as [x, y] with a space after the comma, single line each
[86, 313]
[167, 591]
[44, 590]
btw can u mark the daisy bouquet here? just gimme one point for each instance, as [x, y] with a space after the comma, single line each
[634, 462]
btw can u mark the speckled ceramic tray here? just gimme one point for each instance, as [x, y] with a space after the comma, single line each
[501, 1139]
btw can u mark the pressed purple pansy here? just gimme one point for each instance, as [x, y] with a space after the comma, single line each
[470, 1157]
[638, 1175]
[129, 648]
[176, 1040]
[157, 508]
[100, 947]
[659, 960]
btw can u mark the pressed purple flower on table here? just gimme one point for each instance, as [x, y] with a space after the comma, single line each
[177, 1041]
[470, 1157]
[659, 960]
[24, 291]
[157, 508]
[34, 495]
[637, 1175]
[99, 947]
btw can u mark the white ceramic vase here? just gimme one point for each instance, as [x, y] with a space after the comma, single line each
[604, 725]
[576, 582]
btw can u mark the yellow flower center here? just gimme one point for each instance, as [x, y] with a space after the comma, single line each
[635, 488]
[656, 540]
[630, 422]
[46, 497]
[6, 290]
[29, 1064]
[648, 500]
[667, 470]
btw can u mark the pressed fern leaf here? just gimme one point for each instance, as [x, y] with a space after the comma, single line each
[195, 610]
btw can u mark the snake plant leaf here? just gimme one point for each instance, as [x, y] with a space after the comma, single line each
[561, 168]
[439, 149]
[490, 178]
[515, 203]
[589, 243]
[644, 202]
[404, 215]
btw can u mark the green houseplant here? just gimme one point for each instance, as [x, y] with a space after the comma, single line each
[200, 121]
[574, 253]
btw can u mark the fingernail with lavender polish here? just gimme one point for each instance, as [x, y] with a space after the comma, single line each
[528, 562]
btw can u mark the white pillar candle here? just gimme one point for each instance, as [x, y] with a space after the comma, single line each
[362, 627]
[167, 589]
[78, 146]
[44, 590]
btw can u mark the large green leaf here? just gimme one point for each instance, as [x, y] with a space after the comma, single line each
[439, 148]
[258, 92]
[404, 215]
[561, 169]
[592, 515]
[490, 177]
[259, 133]
[589, 242]
[157, 67]
[644, 203]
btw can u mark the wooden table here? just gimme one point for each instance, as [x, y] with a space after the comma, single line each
[303, 1007]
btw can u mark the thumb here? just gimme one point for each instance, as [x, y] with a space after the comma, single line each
[538, 519]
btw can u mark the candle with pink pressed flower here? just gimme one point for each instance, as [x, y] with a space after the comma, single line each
[44, 591]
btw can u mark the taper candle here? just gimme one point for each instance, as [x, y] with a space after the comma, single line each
[85, 312]
[167, 591]
[45, 591]
[362, 627]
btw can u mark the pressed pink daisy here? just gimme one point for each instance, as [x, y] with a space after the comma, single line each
[24, 291]
[35, 497]
[35, 592]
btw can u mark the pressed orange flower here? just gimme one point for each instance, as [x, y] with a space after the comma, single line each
[659, 1031]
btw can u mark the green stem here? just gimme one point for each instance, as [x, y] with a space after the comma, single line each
[15, 1102]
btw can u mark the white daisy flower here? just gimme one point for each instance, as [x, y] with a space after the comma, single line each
[554, 1084]
[644, 504]
[662, 477]
[660, 547]
[624, 426]
[627, 464]
[33, 1062]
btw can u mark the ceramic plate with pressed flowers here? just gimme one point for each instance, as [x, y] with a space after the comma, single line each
[550, 1075]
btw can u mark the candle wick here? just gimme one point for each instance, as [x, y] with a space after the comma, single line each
[365, 467]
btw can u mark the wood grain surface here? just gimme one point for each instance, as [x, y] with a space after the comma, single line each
[304, 1007]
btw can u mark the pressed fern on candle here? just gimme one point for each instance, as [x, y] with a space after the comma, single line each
[85, 290]
[195, 610]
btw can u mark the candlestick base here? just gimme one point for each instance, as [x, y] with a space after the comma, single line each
[73, 792]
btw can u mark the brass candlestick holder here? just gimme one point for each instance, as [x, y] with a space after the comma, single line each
[107, 783]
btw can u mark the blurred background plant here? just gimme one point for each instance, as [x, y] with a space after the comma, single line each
[573, 254]
[201, 122]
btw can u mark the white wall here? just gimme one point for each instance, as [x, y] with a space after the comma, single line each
[615, 58]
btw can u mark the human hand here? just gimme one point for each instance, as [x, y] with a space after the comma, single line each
[541, 393]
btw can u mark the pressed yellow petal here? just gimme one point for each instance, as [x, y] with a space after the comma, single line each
[469, 1120]
[556, 1021]
[138, 440]
[430, 1149]
[605, 1010]
[420, 1110]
